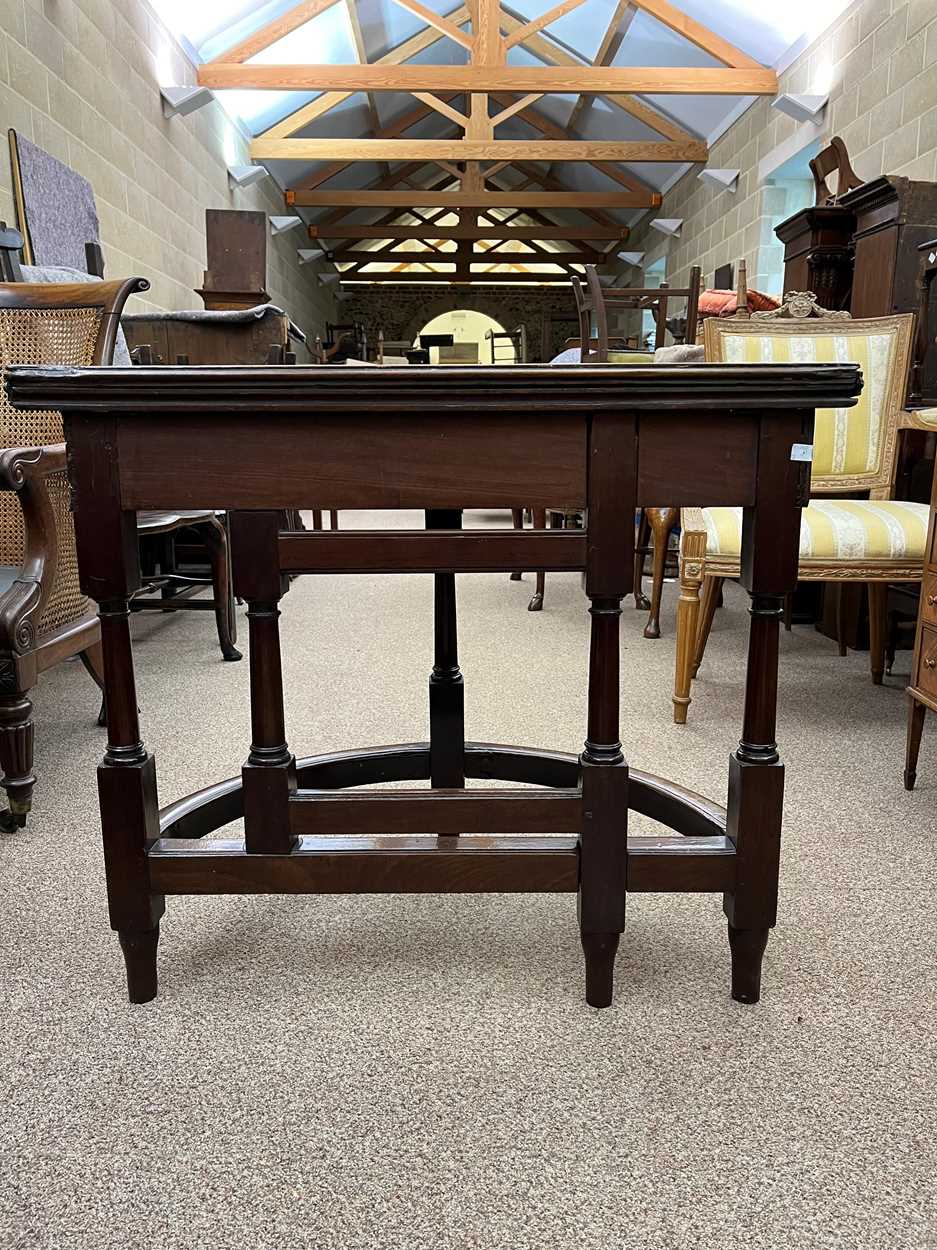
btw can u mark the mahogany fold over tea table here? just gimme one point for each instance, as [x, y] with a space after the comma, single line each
[256, 442]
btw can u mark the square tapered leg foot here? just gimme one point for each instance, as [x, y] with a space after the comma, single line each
[748, 948]
[140, 957]
[600, 950]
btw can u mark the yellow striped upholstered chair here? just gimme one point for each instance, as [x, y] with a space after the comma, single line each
[873, 539]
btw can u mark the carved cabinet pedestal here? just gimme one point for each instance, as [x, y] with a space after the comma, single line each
[818, 253]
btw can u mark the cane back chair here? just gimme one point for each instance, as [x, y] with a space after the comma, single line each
[44, 617]
[160, 532]
[875, 539]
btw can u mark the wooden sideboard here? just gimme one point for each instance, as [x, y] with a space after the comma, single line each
[923, 689]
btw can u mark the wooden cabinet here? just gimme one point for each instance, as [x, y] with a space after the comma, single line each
[818, 253]
[923, 689]
[894, 216]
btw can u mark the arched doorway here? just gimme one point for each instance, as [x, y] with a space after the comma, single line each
[469, 327]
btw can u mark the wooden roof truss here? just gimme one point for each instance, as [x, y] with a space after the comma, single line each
[476, 99]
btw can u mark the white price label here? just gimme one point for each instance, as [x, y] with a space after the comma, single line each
[802, 451]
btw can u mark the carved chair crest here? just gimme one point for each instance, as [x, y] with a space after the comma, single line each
[798, 306]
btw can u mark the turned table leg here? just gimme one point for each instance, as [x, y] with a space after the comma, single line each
[769, 567]
[446, 688]
[269, 773]
[605, 803]
[603, 848]
[129, 809]
[756, 791]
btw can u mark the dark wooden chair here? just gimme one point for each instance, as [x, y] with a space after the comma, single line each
[44, 616]
[833, 159]
[342, 340]
[655, 525]
[595, 301]
[592, 305]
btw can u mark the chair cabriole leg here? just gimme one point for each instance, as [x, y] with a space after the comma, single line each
[93, 661]
[539, 523]
[216, 540]
[662, 522]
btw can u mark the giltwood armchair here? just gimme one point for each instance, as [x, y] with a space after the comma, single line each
[875, 539]
[44, 617]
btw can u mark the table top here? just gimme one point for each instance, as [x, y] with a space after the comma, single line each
[218, 391]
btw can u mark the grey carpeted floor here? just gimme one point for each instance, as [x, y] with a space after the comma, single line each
[355, 1073]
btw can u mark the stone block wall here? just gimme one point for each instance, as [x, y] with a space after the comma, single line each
[81, 79]
[879, 63]
[402, 311]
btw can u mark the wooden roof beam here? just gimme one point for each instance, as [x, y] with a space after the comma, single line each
[494, 253]
[534, 117]
[475, 150]
[444, 25]
[551, 53]
[615, 32]
[361, 52]
[596, 80]
[697, 34]
[272, 32]
[354, 199]
[548, 232]
[331, 99]
[450, 278]
[531, 28]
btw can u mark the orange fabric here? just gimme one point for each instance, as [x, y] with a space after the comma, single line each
[724, 303]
